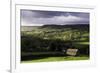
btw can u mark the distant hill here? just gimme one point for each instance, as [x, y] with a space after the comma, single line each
[29, 28]
[75, 26]
[66, 26]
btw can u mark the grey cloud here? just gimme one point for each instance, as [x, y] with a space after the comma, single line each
[53, 17]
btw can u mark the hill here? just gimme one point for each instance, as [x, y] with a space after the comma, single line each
[53, 26]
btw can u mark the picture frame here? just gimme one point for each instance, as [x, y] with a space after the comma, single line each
[17, 66]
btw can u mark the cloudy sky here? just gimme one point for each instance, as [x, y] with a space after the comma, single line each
[39, 18]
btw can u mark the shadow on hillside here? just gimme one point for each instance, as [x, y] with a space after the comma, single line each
[37, 57]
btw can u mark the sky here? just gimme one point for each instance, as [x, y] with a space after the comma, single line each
[39, 18]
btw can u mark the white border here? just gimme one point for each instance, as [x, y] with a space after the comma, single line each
[15, 59]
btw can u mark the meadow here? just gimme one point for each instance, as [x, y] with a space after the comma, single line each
[50, 42]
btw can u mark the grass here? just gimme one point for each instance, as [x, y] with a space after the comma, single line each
[83, 43]
[51, 59]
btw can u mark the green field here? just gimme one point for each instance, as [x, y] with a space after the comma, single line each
[54, 59]
[46, 43]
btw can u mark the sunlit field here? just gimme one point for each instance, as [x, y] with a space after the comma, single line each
[57, 59]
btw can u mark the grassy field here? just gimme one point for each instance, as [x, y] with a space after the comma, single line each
[54, 59]
[49, 57]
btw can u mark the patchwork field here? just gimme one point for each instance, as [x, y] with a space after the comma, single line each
[50, 43]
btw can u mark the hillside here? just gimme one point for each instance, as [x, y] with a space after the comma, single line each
[75, 26]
